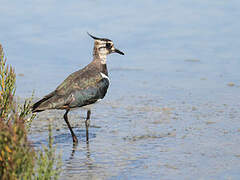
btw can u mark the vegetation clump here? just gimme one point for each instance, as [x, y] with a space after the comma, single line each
[18, 158]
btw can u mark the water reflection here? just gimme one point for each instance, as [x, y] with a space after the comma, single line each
[75, 148]
[81, 164]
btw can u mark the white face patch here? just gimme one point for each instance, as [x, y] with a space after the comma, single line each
[103, 58]
[103, 49]
[103, 53]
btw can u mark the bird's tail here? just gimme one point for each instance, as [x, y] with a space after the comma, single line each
[42, 104]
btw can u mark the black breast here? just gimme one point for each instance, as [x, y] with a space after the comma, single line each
[91, 94]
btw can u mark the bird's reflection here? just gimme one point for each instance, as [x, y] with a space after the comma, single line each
[73, 150]
[85, 150]
[80, 159]
[88, 153]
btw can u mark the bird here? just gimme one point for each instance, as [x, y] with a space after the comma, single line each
[83, 87]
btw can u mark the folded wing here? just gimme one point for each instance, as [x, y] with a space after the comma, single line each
[79, 89]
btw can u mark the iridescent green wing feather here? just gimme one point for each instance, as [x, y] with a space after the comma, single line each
[77, 82]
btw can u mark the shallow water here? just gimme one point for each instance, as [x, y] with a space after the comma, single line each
[172, 109]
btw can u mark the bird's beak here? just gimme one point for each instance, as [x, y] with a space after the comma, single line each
[118, 51]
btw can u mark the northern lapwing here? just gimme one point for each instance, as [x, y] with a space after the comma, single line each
[83, 87]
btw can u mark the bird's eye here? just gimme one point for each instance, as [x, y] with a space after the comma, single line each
[108, 45]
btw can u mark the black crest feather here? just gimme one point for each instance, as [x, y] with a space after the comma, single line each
[96, 38]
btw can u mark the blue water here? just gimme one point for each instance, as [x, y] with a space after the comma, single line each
[180, 75]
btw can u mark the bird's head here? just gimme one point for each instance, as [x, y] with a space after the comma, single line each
[103, 46]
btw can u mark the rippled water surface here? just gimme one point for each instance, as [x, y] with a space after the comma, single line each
[172, 109]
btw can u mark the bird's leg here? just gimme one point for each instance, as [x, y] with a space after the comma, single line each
[87, 123]
[75, 140]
